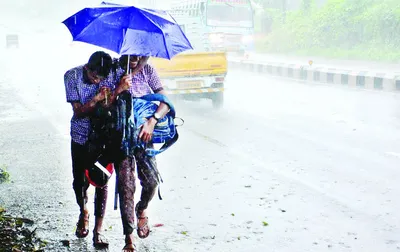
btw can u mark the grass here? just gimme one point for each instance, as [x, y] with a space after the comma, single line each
[4, 175]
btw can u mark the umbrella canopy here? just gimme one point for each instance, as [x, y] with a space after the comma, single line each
[129, 30]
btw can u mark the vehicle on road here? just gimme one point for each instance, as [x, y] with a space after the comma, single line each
[194, 76]
[218, 25]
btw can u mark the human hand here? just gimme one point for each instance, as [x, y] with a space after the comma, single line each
[125, 83]
[146, 133]
[99, 97]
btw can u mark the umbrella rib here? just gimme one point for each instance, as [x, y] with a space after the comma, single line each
[156, 25]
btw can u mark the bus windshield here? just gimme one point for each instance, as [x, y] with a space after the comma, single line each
[229, 15]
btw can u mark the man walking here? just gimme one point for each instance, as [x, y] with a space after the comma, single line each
[82, 85]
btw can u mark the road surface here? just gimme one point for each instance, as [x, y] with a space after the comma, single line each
[285, 166]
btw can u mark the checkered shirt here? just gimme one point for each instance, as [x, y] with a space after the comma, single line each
[78, 91]
[144, 82]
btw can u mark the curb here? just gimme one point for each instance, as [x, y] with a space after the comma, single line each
[361, 79]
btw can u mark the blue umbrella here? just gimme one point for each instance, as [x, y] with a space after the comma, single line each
[129, 30]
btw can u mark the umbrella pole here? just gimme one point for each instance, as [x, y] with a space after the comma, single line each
[127, 65]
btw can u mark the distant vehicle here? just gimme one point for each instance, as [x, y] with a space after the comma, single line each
[214, 27]
[217, 25]
[194, 76]
[12, 40]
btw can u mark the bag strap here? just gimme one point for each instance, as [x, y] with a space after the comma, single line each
[172, 113]
[153, 152]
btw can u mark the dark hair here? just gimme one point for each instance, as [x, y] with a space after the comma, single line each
[101, 63]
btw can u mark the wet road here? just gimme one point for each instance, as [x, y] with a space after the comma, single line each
[318, 163]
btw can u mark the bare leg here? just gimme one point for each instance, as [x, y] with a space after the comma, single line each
[100, 203]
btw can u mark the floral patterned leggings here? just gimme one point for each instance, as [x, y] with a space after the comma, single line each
[147, 174]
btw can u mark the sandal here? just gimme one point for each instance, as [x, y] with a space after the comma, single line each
[129, 247]
[141, 230]
[82, 227]
[99, 241]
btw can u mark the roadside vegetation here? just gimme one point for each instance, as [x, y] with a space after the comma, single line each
[349, 29]
[17, 234]
[4, 175]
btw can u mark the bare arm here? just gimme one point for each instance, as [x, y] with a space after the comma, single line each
[81, 111]
[148, 128]
[156, 85]
[162, 109]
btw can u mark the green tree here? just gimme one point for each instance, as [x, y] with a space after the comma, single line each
[366, 29]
